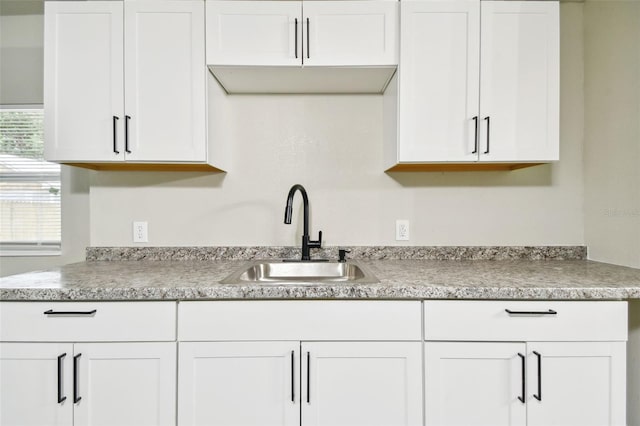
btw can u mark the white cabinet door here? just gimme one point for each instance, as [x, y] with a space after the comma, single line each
[239, 383]
[354, 33]
[474, 383]
[165, 81]
[519, 89]
[34, 377]
[83, 96]
[361, 383]
[439, 81]
[129, 384]
[576, 384]
[254, 33]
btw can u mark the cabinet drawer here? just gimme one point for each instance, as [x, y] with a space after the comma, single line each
[529, 321]
[74, 322]
[299, 320]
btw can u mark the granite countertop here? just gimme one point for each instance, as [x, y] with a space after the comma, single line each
[521, 278]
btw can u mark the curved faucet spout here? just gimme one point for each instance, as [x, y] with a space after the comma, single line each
[288, 211]
[307, 243]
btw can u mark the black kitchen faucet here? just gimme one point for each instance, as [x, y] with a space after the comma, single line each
[307, 243]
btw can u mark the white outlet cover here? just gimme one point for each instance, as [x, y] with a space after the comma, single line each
[402, 230]
[140, 232]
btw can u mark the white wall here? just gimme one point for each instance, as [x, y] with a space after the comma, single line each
[21, 53]
[612, 153]
[612, 129]
[333, 146]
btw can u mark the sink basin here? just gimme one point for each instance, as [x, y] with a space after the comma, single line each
[279, 272]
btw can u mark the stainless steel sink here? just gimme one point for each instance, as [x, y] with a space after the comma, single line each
[279, 272]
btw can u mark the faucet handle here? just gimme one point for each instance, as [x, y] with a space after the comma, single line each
[318, 243]
[342, 255]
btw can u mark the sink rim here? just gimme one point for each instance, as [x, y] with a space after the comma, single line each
[235, 278]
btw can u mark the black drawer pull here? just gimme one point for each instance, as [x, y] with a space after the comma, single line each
[549, 312]
[52, 312]
[308, 49]
[293, 375]
[115, 138]
[488, 132]
[126, 133]
[296, 38]
[308, 378]
[524, 379]
[60, 397]
[76, 385]
[476, 138]
[539, 395]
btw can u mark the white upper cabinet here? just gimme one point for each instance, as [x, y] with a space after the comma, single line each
[326, 33]
[478, 83]
[274, 46]
[125, 82]
[165, 81]
[83, 86]
[254, 33]
[519, 81]
[350, 33]
[440, 80]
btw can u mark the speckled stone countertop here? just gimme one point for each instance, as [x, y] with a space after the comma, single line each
[399, 279]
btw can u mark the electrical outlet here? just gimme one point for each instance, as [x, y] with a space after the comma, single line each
[402, 230]
[140, 232]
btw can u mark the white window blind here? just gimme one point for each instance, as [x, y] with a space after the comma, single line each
[29, 186]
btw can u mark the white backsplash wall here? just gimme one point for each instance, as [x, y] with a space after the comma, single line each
[333, 146]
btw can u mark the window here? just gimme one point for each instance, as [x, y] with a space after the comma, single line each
[29, 186]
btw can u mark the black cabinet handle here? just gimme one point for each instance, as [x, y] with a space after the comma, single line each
[60, 397]
[549, 312]
[524, 378]
[126, 134]
[76, 390]
[308, 377]
[539, 395]
[296, 38]
[475, 139]
[487, 118]
[293, 372]
[115, 137]
[308, 53]
[52, 312]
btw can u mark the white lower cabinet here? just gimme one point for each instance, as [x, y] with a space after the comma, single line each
[313, 363]
[239, 383]
[293, 383]
[87, 364]
[33, 384]
[484, 364]
[576, 383]
[469, 383]
[87, 384]
[125, 384]
[340, 368]
[361, 383]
